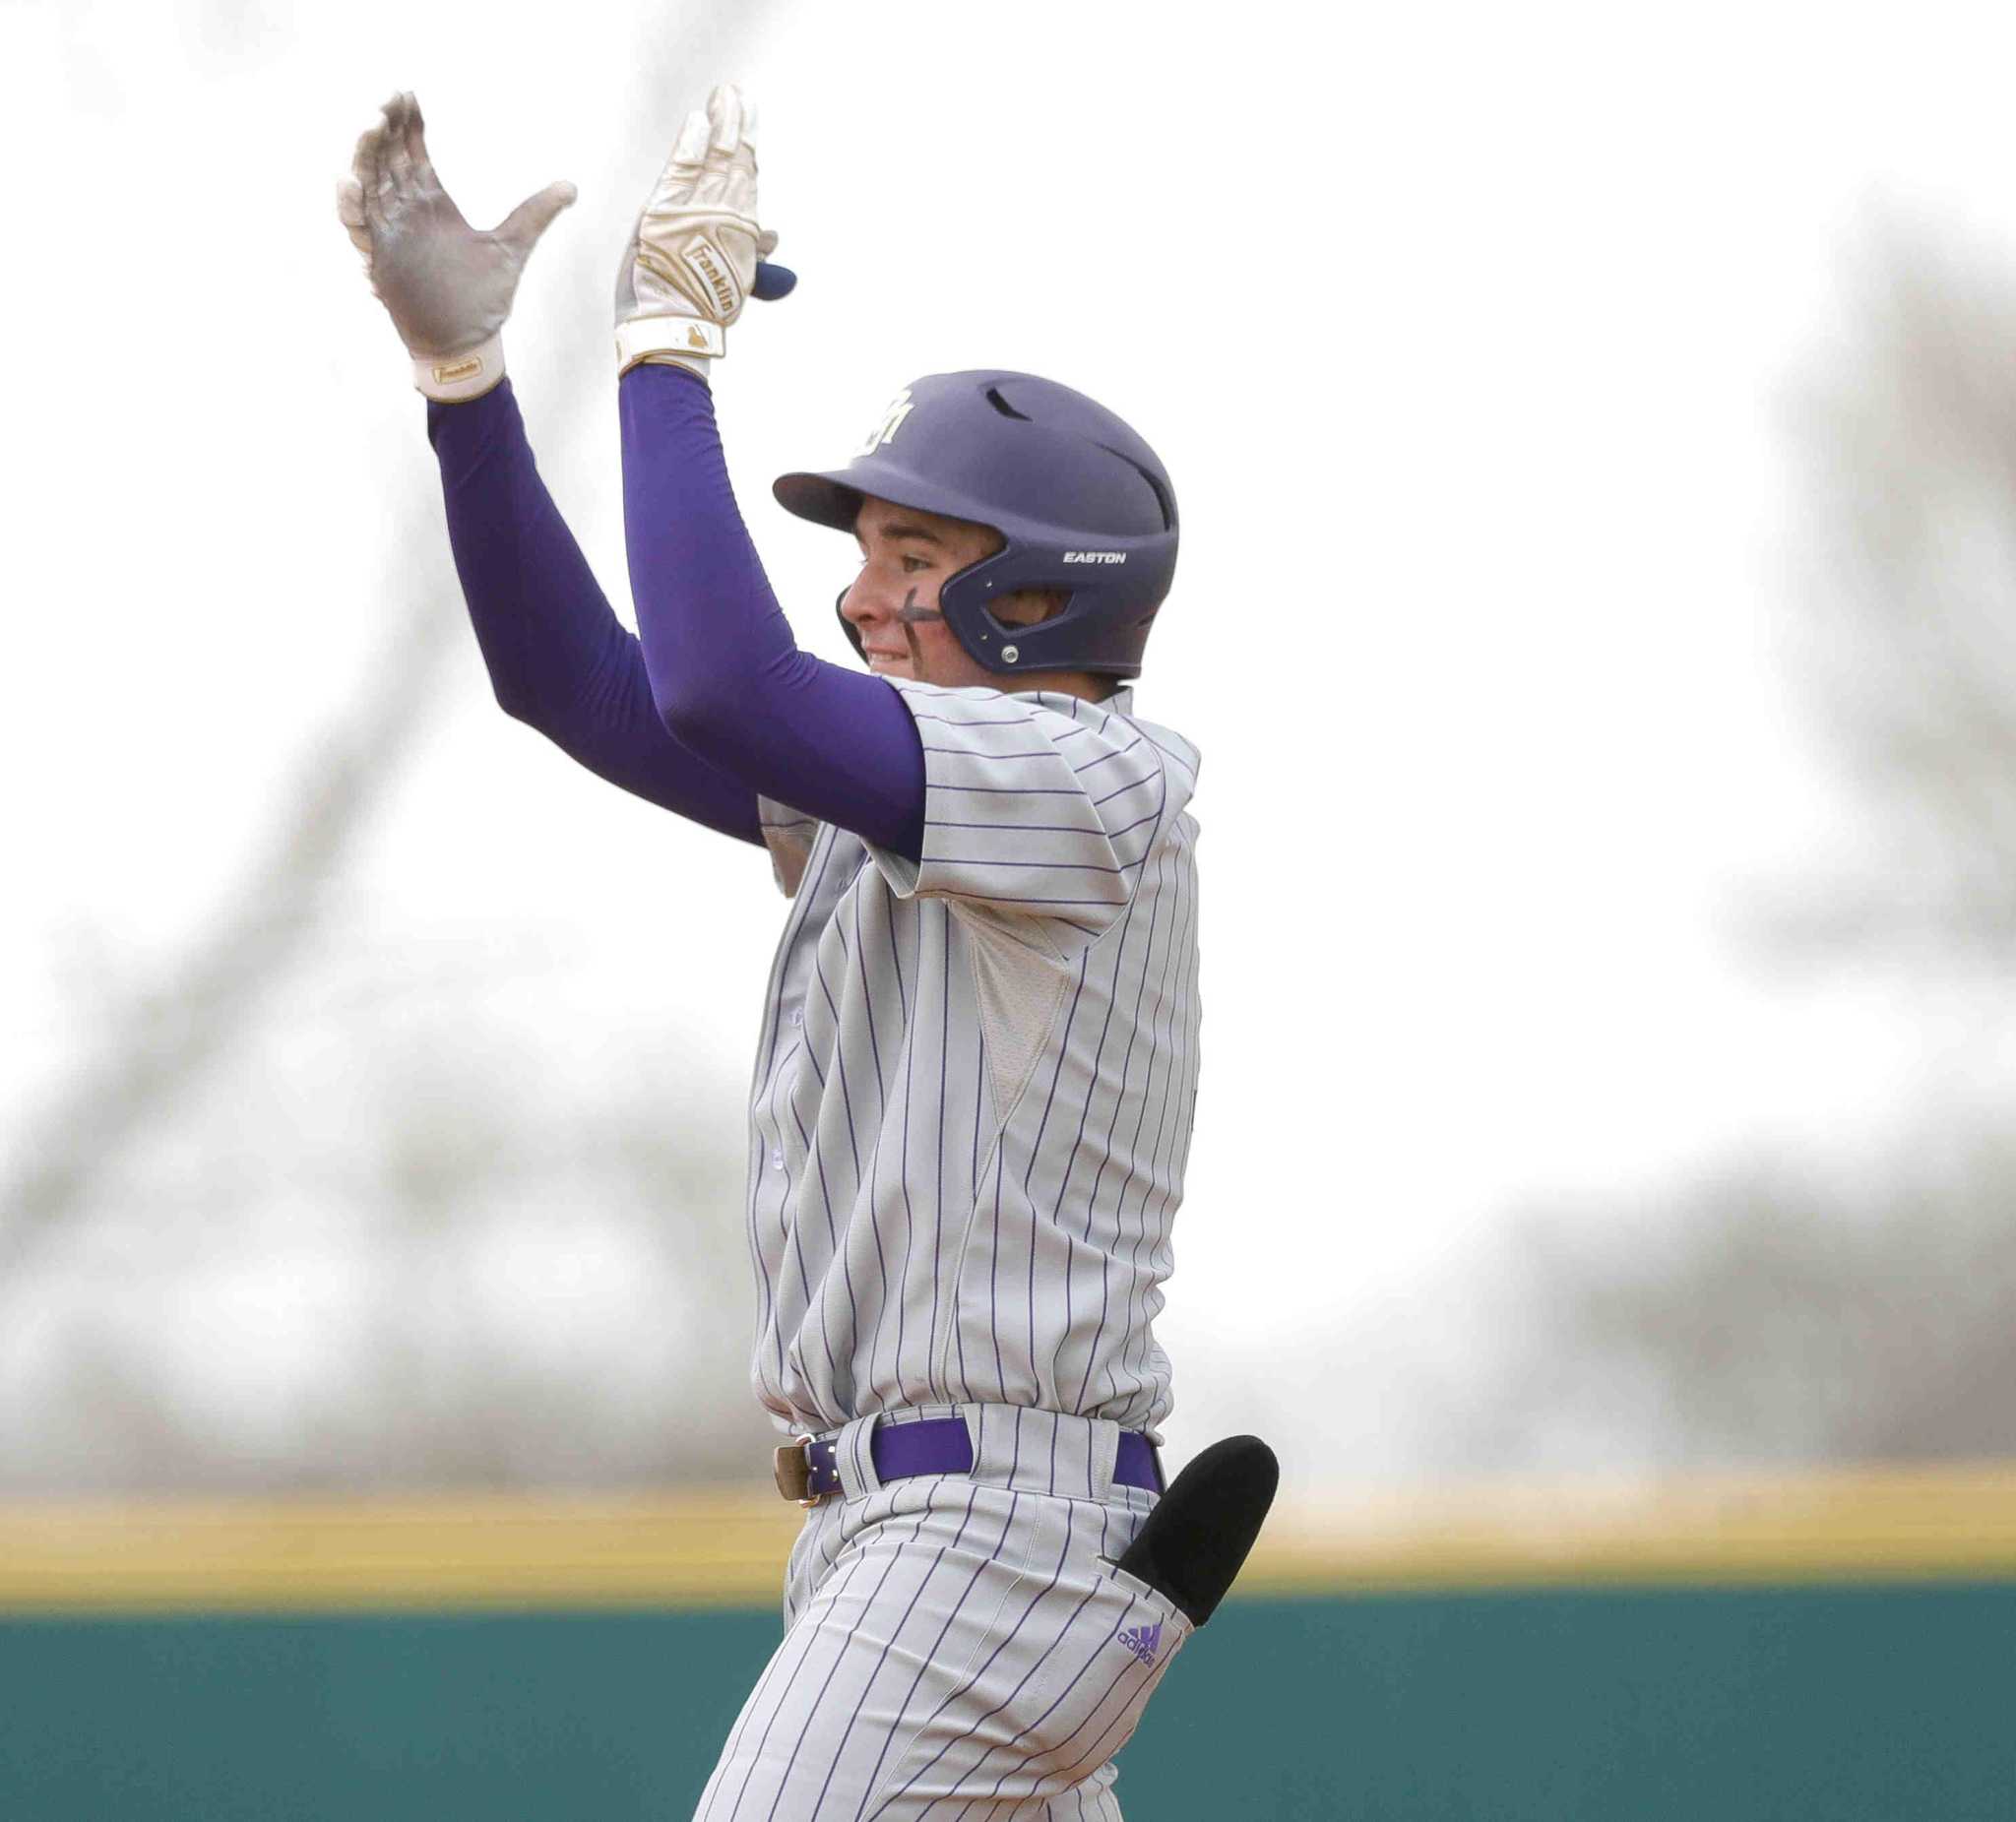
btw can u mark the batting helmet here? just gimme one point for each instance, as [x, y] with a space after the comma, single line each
[1082, 503]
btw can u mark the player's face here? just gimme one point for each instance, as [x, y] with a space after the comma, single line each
[907, 555]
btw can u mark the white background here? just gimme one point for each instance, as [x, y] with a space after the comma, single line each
[1467, 334]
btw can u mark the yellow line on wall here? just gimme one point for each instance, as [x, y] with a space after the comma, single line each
[727, 1547]
[1875, 1523]
[699, 1548]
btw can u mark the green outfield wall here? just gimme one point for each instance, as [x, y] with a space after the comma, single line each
[1841, 1654]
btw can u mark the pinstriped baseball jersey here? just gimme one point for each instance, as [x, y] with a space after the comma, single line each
[974, 1085]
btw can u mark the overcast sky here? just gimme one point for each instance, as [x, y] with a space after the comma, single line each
[1466, 331]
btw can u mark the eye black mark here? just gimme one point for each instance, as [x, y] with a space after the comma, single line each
[909, 617]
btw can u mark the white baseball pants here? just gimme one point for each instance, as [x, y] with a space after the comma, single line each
[957, 1645]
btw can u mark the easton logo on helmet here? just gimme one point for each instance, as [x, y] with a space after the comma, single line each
[1095, 556]
[891, 422]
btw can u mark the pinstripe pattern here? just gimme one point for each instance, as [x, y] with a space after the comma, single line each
[968, 1122]
[958, 1644]
[976, 1074]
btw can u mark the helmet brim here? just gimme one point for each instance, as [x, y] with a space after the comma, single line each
[834, 498]
[825, 499]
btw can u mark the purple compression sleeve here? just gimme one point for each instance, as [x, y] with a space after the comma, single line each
[726, 672]
[560, 661]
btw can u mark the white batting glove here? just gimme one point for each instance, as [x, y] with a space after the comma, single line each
[693, 259]
[447, 286]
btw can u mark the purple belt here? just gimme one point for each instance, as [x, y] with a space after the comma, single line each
[808, 1473]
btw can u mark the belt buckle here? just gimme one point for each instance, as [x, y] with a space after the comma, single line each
[793, 1469]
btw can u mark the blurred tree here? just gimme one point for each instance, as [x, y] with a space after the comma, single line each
[148, 1049]
[138, 1226]
[1769, 1315]
[1906, 634]
[1783, 1310]
[503, 1278]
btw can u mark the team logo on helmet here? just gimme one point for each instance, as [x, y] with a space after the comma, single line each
[889, 423]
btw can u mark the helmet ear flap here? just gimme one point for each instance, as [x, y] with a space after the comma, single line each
[852, 632]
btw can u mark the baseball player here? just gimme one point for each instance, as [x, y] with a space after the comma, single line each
[978, 1057]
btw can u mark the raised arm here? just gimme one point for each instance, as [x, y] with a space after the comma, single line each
[725, 673]
[558, 657]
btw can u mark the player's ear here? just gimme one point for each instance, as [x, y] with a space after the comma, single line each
[1027, 607]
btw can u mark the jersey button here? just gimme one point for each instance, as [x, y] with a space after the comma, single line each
[798, 1018]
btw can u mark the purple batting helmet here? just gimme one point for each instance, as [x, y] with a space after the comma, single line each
[1083, 504]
